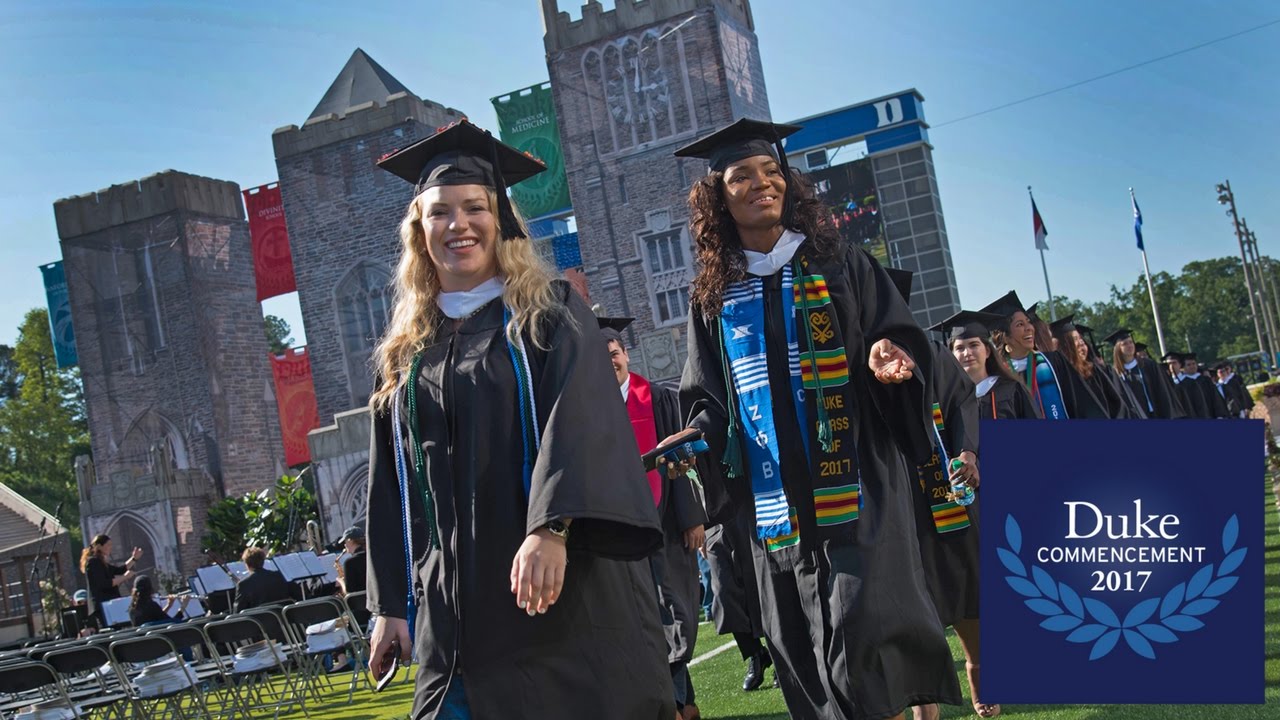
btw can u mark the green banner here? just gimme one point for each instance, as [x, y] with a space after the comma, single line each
[527, 121]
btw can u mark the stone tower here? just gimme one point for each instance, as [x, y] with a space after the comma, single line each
[631, 85]
[343, 215]
[173, 360]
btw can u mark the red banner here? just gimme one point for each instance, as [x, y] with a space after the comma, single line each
[296, 400]
[272, 262]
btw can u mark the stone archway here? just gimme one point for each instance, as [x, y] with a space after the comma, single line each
[128, 531]
[354, 496]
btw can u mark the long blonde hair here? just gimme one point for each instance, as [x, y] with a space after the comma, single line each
[415, 316]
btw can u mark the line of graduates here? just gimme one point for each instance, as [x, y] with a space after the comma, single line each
[1062, 375]
[531, 564]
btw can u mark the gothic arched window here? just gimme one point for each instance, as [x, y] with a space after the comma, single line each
[363, 302]
[150, 437]
[639, 90]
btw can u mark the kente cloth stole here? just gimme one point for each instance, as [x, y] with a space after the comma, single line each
[411, 473]
[818, 365]
[1045, 388]
[829, 405]
[644, 426]
[935, 483]
[742, 325]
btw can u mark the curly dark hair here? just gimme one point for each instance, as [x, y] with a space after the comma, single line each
[718, 248]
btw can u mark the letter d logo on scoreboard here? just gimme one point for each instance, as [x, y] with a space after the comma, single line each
[1122, 561]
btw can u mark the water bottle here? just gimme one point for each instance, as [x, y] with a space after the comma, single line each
[961, 494]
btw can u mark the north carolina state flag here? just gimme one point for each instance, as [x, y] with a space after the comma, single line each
[1037, 223]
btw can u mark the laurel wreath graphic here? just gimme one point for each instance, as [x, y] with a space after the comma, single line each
[1092, 621]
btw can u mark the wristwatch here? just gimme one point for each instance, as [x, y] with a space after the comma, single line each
[559, 529]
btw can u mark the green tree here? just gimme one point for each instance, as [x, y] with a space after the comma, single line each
[43, 426]
[9, 378]
[278, 332]
[1205, 305]
[274, 519]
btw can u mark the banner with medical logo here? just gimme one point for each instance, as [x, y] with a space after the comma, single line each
[64, 336]
[1122, 562]
[527, 122]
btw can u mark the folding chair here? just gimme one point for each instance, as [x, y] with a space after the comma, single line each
[147, 650]
[29, 682]
[249, 684]
[302, 615]
[358, 608]
[80, 669]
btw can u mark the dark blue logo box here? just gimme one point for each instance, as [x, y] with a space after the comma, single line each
[1122, 561]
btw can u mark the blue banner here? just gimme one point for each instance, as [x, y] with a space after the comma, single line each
[1126, 566]
[64, 336]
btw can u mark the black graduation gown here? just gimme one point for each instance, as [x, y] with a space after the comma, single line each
[849, 624]
[680, 508]
[1106, 395]
[1151, 384]
[950, 559]
[735, 602]
[1236, 396]
[1132, 407]
[1214, 401]
[1201, 398]
[1008, 400]
[600, 648]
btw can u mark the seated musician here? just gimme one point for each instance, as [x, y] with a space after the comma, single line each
[262, 586]
[351, 573]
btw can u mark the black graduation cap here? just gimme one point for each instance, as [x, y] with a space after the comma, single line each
[1004, 307]
[1139, 347]
[1188, 356]
[901, 280]
[743, 139]
[966, 325]
[1033, 311]
[1170, 356]
[611, 328]
[1063, 324]
[463, 154]
[1118, 335]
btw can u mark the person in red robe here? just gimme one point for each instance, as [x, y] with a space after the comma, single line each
[655, 413]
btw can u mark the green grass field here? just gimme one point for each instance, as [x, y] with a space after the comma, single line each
[718, 679]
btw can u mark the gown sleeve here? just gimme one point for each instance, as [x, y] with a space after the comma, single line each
[385, 562]
[906, 407]
[702, 395]
[588, 467]
[685, 499]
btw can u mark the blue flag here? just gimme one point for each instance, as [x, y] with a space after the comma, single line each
[1137, 221]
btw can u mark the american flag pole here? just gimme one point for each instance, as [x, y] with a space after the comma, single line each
[1041, 233]
[1151, 293]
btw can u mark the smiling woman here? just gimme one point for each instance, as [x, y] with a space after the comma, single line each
[802, 374]
[493, 463]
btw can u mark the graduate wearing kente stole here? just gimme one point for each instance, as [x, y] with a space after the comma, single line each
[809, 378]
[946, 529]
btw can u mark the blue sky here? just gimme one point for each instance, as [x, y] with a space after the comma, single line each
[100, 93]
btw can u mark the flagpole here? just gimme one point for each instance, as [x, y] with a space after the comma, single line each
[1053, 315]
[1151, 293]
